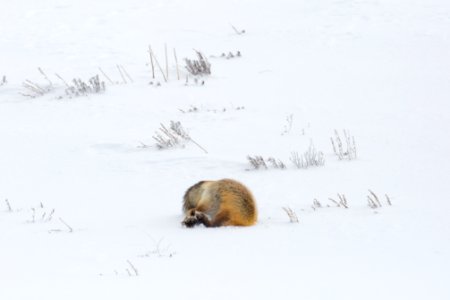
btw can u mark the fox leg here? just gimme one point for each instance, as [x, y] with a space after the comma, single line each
[221, 219]
[203, 219]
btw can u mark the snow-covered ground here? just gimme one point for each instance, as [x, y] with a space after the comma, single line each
[87, 203]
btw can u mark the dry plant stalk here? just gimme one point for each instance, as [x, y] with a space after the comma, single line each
[33, 216]
[388, 200]
[238, 32]
[121, 74]
[81, 88]
[335, 202]
[106, 76]
[173, 136]
[68, 227]
[374, 202]
[375, 198]
[347, 152]
[288, 126]
[167, 61]
[157, 64]
[121, 67]
[151, 61]
[34, 89]
[50, 216]
[8, 205]
[176, 63]
[45, 76]
[199, 66]
[62, 79]
[310, 158]
[291, 214]
[342, 200]
[257, 161]
[160, 250]
[136, 273]
[276, 163]
[317, 204]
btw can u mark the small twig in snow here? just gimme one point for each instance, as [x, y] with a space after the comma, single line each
[238, 32]
[70, 228]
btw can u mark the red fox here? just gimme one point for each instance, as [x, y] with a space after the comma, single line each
[219, 203]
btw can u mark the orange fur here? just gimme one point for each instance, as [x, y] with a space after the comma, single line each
[219, 203]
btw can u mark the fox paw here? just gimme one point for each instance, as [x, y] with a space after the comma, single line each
[200, 216]
[190, 221]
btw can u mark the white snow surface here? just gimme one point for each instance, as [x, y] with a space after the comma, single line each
[378, 68]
